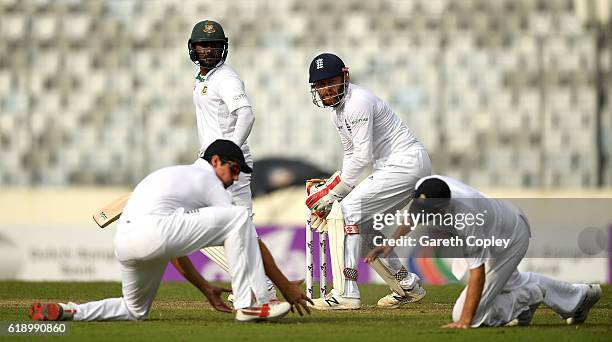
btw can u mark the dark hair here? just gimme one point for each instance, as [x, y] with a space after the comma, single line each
[226, 150]
[433, 188]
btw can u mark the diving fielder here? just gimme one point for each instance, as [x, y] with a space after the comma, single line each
[223, 111]
[172, 212]
[370, 132]
[497, 293]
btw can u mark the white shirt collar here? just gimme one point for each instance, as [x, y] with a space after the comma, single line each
[200, 162]
[209, 73]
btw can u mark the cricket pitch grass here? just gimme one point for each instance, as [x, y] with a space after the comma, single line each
[180, 313]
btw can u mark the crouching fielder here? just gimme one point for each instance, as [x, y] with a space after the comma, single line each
[370, 132]
[173, 212]
[497, 293]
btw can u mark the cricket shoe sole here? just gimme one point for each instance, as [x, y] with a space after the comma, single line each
[45, 312]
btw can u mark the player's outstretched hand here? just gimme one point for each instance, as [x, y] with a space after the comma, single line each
[457, 325]
[297, 298]
[384, 250]
[213, 294]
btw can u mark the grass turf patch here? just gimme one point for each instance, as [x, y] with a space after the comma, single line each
[181, 313]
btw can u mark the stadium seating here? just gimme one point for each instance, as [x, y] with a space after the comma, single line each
[502, 93]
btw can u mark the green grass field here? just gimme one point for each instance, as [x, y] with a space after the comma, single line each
[180, 313]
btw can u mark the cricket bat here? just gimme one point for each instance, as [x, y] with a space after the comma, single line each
[111, 212]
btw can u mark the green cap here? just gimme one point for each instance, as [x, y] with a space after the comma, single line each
[207, 31]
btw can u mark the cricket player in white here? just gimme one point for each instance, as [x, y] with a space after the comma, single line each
[370, 133]
[223, 111]
[173, 212]
[497, 293]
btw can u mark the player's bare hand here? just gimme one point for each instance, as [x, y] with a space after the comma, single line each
[213, 294]
[384, 250]
[297, 298]
[457, 325]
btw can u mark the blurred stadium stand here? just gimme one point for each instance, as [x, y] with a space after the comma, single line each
[505, 93]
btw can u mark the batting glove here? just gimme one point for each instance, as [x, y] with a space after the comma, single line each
[321, 198]
[318, 222]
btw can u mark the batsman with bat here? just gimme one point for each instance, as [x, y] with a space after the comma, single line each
[370, 132]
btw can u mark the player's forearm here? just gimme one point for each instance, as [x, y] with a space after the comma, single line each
[186, 269]
[474, 293]
[244, 124]
[401, 231]
[272, 271]
[346, 159]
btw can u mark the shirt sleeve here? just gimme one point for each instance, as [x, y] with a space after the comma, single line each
[244, 124]
[475, 262]
[476, 256]
[233, 94]
[359, 123]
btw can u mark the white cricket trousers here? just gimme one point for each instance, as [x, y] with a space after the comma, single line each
[508, 292]
[241, 194]
[388, 188]
[144, 246]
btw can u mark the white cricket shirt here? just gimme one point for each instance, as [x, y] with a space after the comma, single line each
[216, 96]
[370, 132]
[182, 186]
[500, 218]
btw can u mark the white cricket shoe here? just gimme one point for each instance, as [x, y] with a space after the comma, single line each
[395, 300]
[332, 301]
[592, 296]
[265, 312]
[52, 311]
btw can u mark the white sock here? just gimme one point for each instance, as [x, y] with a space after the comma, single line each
[68, 311]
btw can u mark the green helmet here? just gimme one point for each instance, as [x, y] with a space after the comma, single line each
[208, 31]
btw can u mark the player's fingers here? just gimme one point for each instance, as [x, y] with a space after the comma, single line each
[223, 289]
[307, 299]
[323, 226]
[297, 307]
[222, 307]
[305, 307]
[302, 305]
